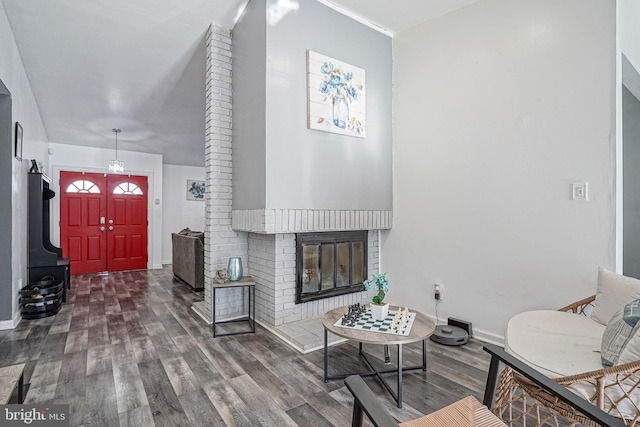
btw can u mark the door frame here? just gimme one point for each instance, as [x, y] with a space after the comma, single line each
[55, 206]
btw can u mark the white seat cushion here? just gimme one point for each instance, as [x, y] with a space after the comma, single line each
[560, 344]
[556, 343]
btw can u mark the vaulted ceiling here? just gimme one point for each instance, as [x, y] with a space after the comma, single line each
[139, 65]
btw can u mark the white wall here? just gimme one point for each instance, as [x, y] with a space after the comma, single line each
[179, 212]
[629, 30]
[498, 108]
[301, 168]
[89, 159]
[25, 111]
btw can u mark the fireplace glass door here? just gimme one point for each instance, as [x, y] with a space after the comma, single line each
[330, 264]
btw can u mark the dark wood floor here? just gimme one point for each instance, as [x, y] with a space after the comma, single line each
[127, 350]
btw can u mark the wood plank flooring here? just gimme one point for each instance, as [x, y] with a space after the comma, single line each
[127, 350]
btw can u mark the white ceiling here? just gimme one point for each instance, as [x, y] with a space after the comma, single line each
[138, 65]
[397, 15]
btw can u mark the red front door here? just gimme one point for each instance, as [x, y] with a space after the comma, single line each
[82, 206]
[127, 236]
[103, 221]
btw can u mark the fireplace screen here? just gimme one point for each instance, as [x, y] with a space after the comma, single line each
[330, 264]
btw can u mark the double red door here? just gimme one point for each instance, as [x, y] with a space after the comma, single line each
[103, 221]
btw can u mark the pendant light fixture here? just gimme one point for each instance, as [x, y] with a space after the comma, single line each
[116, 166]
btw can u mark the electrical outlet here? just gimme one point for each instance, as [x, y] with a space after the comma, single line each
[437, 292]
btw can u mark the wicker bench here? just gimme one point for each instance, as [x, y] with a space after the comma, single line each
[9, 377]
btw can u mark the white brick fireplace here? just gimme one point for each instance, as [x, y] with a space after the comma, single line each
[272, 256]
[272, 262]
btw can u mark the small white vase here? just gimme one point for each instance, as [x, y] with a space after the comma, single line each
[379, 312]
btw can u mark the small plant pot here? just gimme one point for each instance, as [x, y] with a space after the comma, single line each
[379, 312]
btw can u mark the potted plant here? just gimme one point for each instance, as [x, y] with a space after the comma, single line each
[380, 282]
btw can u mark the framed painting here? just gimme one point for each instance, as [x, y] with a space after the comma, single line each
[195, 190]
[336, 96]
[18, 141]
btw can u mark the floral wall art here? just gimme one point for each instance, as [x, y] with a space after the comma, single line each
[336, 96]
[195, 190]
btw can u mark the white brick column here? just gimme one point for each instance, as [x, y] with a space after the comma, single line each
[221, 242]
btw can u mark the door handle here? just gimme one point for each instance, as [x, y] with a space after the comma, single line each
[110, 227]
[102, 228]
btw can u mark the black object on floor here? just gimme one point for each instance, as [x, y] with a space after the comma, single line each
[41, 299]
[450, 335]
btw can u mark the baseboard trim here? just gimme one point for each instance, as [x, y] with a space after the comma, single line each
[199, 313]
[11, 324]
[295, 347]
[282, 338]
[488, 337]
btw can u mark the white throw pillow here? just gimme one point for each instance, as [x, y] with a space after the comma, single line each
[631, 352]
[622, 328]
[614, 292]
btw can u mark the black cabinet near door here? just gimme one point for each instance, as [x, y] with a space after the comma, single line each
[45, 259]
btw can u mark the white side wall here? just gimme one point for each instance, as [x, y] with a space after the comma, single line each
[88, 159]
[629, 30]
[179, 212]
[498, 108]
[25, 111]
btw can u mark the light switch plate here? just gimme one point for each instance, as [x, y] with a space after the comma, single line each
[580, 191]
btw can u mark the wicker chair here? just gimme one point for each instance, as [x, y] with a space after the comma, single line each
[468, 411]
[519, 401]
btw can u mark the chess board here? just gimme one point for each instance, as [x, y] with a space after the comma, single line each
[366, 323]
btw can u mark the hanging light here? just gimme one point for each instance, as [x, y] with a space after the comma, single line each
[116, 166]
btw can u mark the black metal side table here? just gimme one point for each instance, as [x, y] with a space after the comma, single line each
[245, 282]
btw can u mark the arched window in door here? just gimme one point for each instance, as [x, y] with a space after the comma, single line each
[83, 186]
[127, 188]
